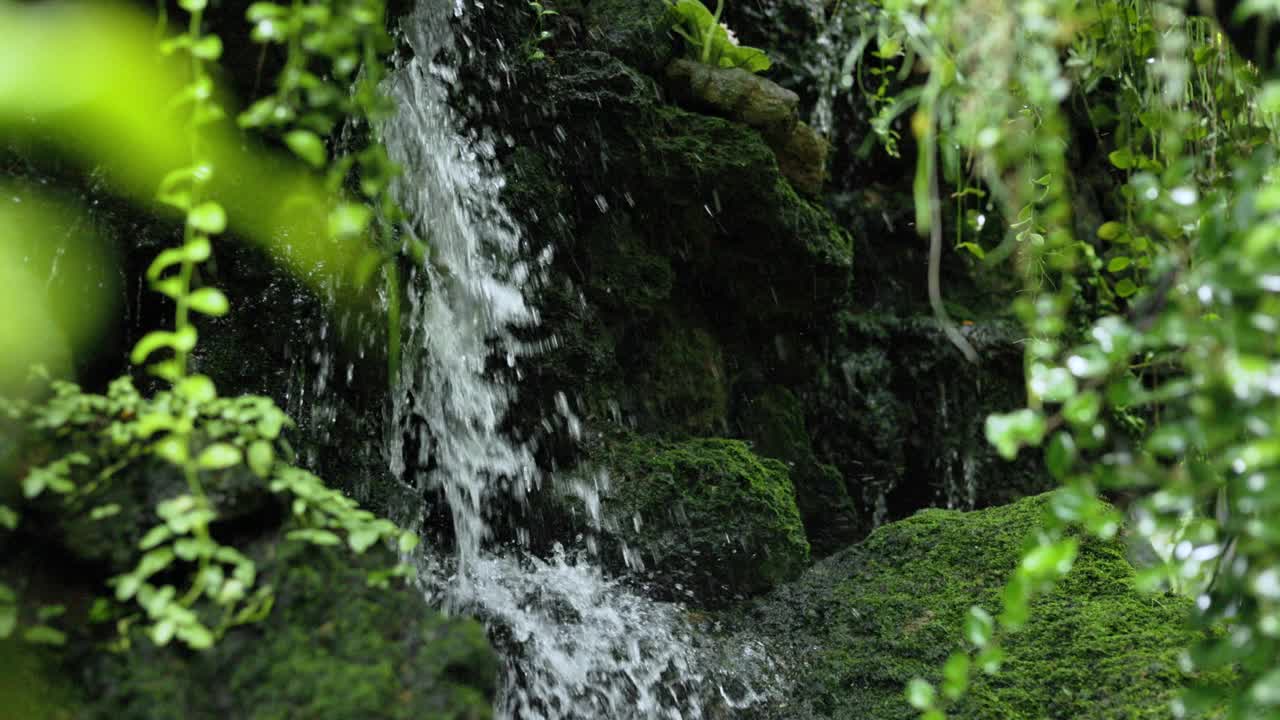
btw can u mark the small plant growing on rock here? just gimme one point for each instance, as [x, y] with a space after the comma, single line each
[540, 32]
[710, 42]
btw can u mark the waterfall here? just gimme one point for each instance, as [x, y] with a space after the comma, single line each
[577, 644]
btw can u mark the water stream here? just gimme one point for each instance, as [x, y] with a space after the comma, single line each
[577, 644]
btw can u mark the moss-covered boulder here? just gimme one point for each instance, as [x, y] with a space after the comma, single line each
[706, 515]
[864, 622]
[332, 649]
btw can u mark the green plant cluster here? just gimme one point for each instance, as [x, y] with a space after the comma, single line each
[1151, 356]
[541, 14]
[709, 41]
[187, 584]
[333, 71]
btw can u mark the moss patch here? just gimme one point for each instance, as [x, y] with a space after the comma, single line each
[871, 618]
[712, 516]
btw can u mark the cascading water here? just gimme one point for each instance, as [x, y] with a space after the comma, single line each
[578, 645]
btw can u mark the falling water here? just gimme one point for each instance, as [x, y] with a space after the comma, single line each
[578, 645]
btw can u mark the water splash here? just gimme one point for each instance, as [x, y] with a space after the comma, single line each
[468, 296]
[578, 645]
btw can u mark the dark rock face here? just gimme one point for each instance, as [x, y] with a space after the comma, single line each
[862, 623]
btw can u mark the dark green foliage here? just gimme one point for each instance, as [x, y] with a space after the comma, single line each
[335, 649]
[869, 619]
[707, 514]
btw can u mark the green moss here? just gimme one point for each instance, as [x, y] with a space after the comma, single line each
[728, 209]
[680, 383]
[712, 515]
[775, 422]
[624, 275]
[879, 614]
[635, 31]
[333, 649]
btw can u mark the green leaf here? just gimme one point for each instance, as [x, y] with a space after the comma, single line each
[192, 6]
[920, 694]
[104, 511]
[8, 518]
[1083, 409]
[407, 542]
[44, 635]
[349, 220]
[362, 539]
[151, 342]
[1121, 158]
[209, 301]
[1111, 230]
[1126, 288]
[219, 456]
[1009, 432]
[979, 627]
[208, 217]
[315, 537]
[955, 675]
[308, 146]
[264, 11]
[261, 457]
[165, 260]
[1060, 455]
[154, 537]
[1118, 264]
[208, 48]
[199, 389]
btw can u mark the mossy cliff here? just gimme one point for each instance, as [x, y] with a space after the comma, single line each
[862, 623]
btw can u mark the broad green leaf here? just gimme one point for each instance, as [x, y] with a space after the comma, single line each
[261, 457]
[198, 389]
[1126, 288]
[8, 518]
[219, 456]
[1118, 264]
[407, 542]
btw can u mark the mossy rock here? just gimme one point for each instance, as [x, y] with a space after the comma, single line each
[680, 383]
[635, 31]
[333, 648]
[707, 515]
[774, 421]
[866, 621]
